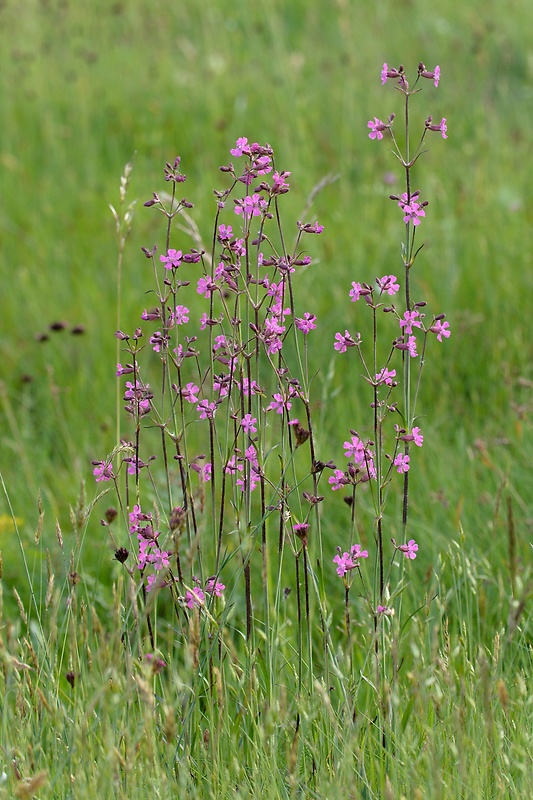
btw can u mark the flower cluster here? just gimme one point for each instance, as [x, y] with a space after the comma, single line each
[195, 597]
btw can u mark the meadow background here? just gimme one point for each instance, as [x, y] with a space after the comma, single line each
[85, 89]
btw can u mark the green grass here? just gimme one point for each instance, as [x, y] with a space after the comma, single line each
[83, 91]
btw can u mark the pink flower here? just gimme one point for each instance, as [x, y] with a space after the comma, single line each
[433, 75]
[385, 376]
[409, 345]
[278, 181]
[102, 471]
[417, 437]
[241, 147]
[251, 205]
[262, 165]
[348, 561]
[172, 258]
[390, 73]
[442, 128]
[206, 409]
[338, 480]
[376, 128]
[410, 549]
[225, 232]
[195, 597]
[205, 287]
[355, 291]
[159, 559]
[410, 320]
[250, 455]
[181, 315]
[441, 329]
[279, 404]
[401, 463]
[413, 212]
[306, 323]
[219, 343]
[189, 393]
[343, 342]
[213, 587]
[355, 449]
[124, 370]
[389, 284]
[249, 423]
[301, 529]
[248, 387]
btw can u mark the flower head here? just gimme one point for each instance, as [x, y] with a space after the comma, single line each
[389, 284]
[306, 323]
[103, 471]
[241, 147]
[348, 561]
[441, 329]
[376, 128]
[410, 549]
[401, 463]
[249, 423]
[194, 597]
[343, 342]
[212, 586]
[172, 259]
[442, 128]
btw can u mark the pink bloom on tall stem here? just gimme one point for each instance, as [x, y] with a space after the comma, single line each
[205, 287]
[190, 392]
[348, 561]
[354, 449]
[410, 320]
[195, 597]
[279, 404]
[172, 258]
[442, 128]
[411, 346]
[338, 480]
[251, 205]
[102, 471]
[249, 423]
[410, 549]
[441, 329]
[343, 342]
[417, 437]
[241, 147]
[212, 586]
[225, 232]
[181, 315]
[355, 292]
[385, 376]
[401, 463]
[306, 323]
[389, 284]
[412, 212]
[376, 128]
[206, 409]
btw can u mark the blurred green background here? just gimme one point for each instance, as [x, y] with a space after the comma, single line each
[85, 88]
